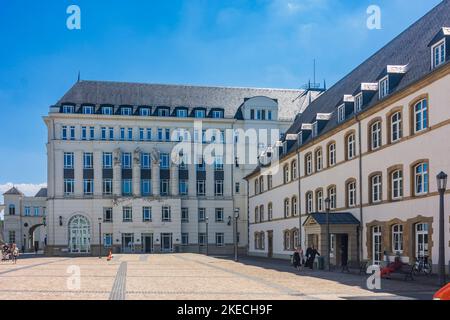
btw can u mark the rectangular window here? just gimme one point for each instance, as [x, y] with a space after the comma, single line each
[149, 134]
[237, 188]
[358, 102]
[107, 187]
[122, 134]
[201, 214]
[107, 111]
[127, 187]
[68, 109]
[218, 188]
[217, 114]
[220, 239]
[127, 213]
[88, 110]
[36, 211]
[167, 137]
[88, 186]
[69, 186]
[144, 112]
[201, 188]
[269, 115]
[183, 187]
[68, 160]
[341, 113]
[145, 161]
[107, 240]
[107, 160]
[141, 134]
[166, 214]
[163, 112]
[64, 133]
[184, 239]
[130, 134]
[72, 133]
[384, 87]
[202, 239]
[200, 113]
[92, 133]
[83, 133]
[218, 163]
[107, 215]
[126, 160]
[164, 161]
[111, 133]
[27, 211]
[103, 133]
[88, 160]
[146, 214]
[438, 54]
[184, 215]
[164, 185]
[181, 113]
[12, 236]
[146, 189]
[219, 215]
[160, 134]
[126, 111]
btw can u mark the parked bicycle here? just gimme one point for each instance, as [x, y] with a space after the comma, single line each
[423, 266]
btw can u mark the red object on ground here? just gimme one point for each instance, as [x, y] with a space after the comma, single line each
[109, 256]
[443, 294]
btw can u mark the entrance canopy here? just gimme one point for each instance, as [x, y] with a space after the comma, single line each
[335, 218]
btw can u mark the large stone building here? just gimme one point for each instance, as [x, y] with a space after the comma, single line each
[114, 177]
[372, 145]
[24, 222]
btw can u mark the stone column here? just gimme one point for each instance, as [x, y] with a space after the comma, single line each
[137, 172]
[174, 174]
[117, 172]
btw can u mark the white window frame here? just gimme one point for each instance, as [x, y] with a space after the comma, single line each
[319, 201]
[423, 176]
[341, 113]
[351, 194]
[309, 202]
[383, 87]
[376, 188]
[319, 159]
[144, 112]
[397, 184]
[438, 51]
[127, 214]
[375, 134]
[351, 146]
[396, 127]
[359, 102]
[397, 238]
[332, 154]
[423, 112]
[166, 215]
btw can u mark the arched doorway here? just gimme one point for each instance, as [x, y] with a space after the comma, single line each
[79, 235]
[35, 238]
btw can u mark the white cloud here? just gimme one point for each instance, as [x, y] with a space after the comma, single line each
[29, 189]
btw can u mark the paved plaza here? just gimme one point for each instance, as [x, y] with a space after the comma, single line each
[188, 277]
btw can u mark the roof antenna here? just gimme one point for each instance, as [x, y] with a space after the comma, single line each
[79, 76]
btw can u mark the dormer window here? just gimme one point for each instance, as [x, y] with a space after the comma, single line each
[144, 112]
[217, 114]
[438, 51]
[284, 147]
[300, 138]
[384, 87]
[358, 102]
[341, 113]
[199, 113]
[125, 111]
[163, 112]
[88, 110]
[181, 113]
[68, 109]
[107, 111]
[315, 129]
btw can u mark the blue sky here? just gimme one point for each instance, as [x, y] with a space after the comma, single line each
[260, 43]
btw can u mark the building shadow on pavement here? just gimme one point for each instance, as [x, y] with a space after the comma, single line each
[422, 287]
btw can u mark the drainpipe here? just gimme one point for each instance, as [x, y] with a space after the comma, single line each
[299, 202]
[248, 218]
[361, 220]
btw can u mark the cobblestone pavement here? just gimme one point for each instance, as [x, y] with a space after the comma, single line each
[187, 277]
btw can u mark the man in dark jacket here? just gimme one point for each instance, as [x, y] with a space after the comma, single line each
[311, 254]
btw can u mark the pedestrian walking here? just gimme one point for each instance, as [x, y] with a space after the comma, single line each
[15, 253]
[296, 259]
[311, 254]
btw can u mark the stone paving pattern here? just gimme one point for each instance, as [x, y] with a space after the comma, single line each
[190, 277]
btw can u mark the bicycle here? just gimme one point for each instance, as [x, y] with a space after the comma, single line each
[422, 266]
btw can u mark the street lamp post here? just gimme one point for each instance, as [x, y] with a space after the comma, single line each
[236, 217]
[99, 238]
[207, 240]
[442, 186]
[327, 208]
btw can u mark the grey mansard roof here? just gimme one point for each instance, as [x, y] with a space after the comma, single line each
[13, 191]
[41, 193]
[156, 95]
[409, 48]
